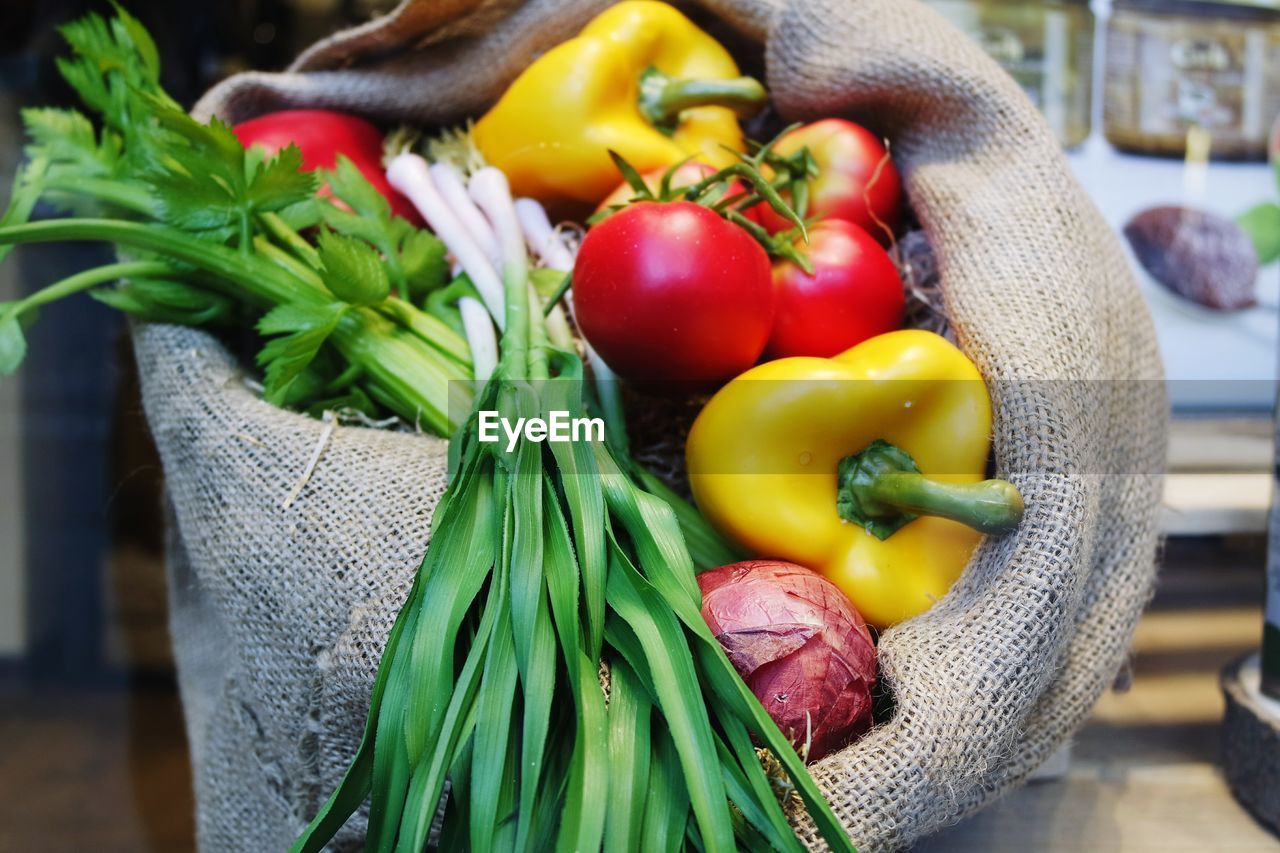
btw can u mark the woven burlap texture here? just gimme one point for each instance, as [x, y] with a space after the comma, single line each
[280, 614]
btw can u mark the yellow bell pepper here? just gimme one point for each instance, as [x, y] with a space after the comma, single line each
[867, 467]
[640, 79]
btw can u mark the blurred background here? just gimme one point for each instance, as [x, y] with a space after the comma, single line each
[1158, 104]
[95, 754]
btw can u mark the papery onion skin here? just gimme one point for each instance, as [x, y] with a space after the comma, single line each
[800, 646]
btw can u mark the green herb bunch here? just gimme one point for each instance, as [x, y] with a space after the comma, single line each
[211, 234]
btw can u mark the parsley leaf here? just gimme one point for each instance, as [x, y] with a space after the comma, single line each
[369, 229]
[422, 256]
[280, 182]
[305, 214]
[163, 185]
[206, 181]
[66, 138]
[140, 40]
[112, 64]
[355, 399]
[25, 193]
[328, 378]
[414, 259]
[285, 358]
[348, 183]
[353, 271]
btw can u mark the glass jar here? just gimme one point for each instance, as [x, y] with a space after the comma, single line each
[1178, 70]
[1046, 46]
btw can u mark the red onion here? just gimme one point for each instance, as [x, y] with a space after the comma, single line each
[800, 646]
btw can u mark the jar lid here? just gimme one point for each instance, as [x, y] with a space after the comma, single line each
[1229, 8]
[1265, 5]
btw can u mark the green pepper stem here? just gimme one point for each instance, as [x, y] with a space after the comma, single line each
[991, 506]
[663, 98]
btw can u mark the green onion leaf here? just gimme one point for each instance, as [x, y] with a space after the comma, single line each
[666, 809]
[582, 822]
[495, 707]
[676, 684]
[629, 752]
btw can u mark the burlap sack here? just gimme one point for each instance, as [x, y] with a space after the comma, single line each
[280, 613]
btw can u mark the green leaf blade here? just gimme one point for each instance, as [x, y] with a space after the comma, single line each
[629, 753]
[750, 789]
[583, 820]
[666, 810]
[579, 477]
[495, 721]
[539, 683]
[679, 697]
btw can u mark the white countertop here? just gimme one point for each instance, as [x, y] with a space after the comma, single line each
[1214, 360]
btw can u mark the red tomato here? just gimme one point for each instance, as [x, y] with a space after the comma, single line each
[855, 293]
[673, 293]
[322, 135]
[847, 186]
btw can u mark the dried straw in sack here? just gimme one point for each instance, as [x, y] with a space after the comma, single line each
[279, 614]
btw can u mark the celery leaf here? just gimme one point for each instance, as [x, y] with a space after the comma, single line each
[285, 358]
[353, 269]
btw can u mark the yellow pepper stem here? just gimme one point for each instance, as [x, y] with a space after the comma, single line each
[882, 489]
[663, 98]
[992, 506]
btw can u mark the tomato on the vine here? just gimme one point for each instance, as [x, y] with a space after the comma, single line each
[854, 293]
[671, 292]
[856, 179]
